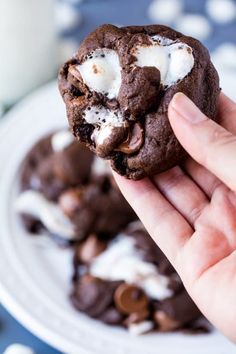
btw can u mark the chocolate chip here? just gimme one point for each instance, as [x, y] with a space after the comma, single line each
[70, 201]
[130, 299]
[93, 295]
[90, 249]
[75, 72]
[134, 141]
[164, 322]
[115, 138]
[180, 308]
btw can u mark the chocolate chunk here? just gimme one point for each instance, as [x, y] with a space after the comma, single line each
[133, 142]
[112, 316]
[165, 323]
[93, 295]
[129, 299]
[115, 137]
[180, 308]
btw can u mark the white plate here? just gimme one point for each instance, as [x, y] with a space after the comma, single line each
[35, 281]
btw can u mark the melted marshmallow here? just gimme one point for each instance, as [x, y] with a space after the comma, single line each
[61, 140]
[104, 121]
[18, 349]
[173, 60]
[122, 261]
[100, 135]
[52, 217]
[101, 72]
[98, 115]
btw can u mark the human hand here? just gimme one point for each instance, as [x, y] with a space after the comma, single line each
[190, 211]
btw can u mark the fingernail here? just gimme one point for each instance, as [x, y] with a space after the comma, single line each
[187, 109]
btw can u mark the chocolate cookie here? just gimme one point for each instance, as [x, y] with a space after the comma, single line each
[119, 274]
[69, 193]
[128, 281]
[117, 89]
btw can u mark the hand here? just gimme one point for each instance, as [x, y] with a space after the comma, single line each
[190, 211]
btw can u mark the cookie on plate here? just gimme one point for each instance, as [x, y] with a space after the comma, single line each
[117, 89]
[128, 281]
[67, 192]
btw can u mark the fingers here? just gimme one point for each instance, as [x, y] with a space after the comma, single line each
[182, 193]
[207, 142]
[202, 177]
[167, 227]
[227, 113]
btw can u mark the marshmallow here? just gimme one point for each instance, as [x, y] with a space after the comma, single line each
[173, 60]
[194, 25]
[99, 115]
[18, 349]
[221, 11]
[122, 261]
[101, 72]
[61, 140]
[181, 63]
[165, 11]
[136, 329]
[104, 121]
[52, 217]
[100, 135]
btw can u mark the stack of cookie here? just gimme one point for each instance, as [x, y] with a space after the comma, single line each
[120, 276]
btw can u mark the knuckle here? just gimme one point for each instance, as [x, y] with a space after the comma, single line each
[196, 212]
[171, 179]
[217, 140]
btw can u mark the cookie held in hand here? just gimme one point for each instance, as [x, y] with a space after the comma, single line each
[117, 89]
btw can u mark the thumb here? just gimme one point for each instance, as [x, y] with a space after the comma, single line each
[207, 142]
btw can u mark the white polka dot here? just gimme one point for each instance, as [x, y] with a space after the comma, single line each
[221, 11]
[18, 349]
[225, 56]
[165, 11]
[194, 25]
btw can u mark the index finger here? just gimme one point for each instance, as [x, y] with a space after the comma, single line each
[227, 113]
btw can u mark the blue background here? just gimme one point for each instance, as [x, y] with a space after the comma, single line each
[94, 13]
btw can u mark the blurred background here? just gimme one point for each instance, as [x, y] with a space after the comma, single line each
[37, 36]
